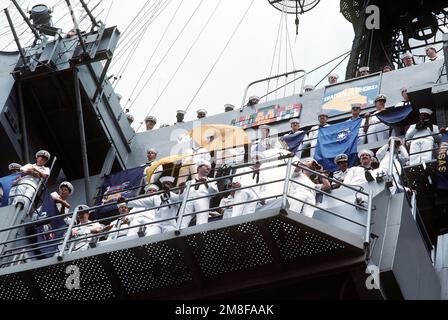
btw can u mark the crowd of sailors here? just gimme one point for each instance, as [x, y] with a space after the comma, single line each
[243, 191]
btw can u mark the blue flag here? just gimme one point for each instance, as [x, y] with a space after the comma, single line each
[400, 116]
[442, 163]
[294, 141]
[6, 183]
[335, 140]
[49, 210]
[122, 184]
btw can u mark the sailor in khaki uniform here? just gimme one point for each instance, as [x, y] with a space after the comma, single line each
[342, 162]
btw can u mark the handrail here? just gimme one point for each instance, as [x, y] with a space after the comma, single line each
[68, 239]
[275, 77]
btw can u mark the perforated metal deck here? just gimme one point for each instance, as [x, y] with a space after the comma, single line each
[205, 261]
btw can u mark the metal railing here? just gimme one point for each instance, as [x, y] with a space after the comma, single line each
[64, 246]
[303, 77]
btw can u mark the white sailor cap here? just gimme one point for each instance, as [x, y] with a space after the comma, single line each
[265, 126]
[406, 55]
[203, 162]
[202, 111]
[403, 89]
[130, 117]
[181, 112]
[229, 106]
[152, 150]
[68, 185]
[365, 151]
[84, 208]
[294, 120]
[167, 179]
[308, 87]
[254, 98]
[151, 186]
[380, 97]
[356, 105]
[43, 153]
[430, 47]
[333, 75]
[122, 204]
[14, 166]
[151, 118]
[322, 113]
[308, 160]
[340, 158]
[362, 69]
[425, 110]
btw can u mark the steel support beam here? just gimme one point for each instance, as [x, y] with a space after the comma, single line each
[82, 134]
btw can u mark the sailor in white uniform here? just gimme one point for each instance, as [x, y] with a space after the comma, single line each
[86, 230]
[196, 153]
[400, 160]
[253, 101]
[27, 185]
[314, 132]
[201, 113]
[376, 130]
[120, 223]
[364, 71]
[295, 129]
[383, 154]
[253, 177]
[356, 114]
[203, 188]
[150, 122]
[151, 154]
[333, 78]
[308, 88]
[265, 142]
[226, 206]
[407, 59]
[303, 192]
[405, 101]
[425, 134]
[153, 212]
[431, 54]
[362, 174]
[66, 190]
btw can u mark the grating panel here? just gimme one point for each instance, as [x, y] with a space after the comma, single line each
[150, 267]
[13, 288]
[94, 283]
[229, 250]
[294, 242]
